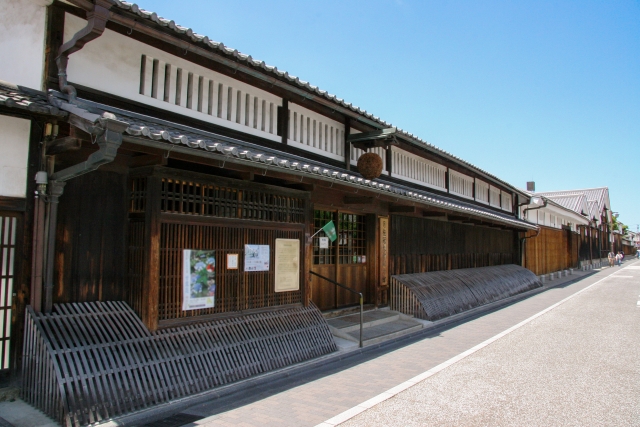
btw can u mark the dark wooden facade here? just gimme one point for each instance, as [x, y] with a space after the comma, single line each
[420, 245]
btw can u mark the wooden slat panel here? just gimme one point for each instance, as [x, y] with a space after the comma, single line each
[552, 250]
[435, 295]
[85, 363]
[419, 245]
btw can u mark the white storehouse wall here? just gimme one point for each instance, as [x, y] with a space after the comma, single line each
[14, 146]
[22, 24]
[142, 73]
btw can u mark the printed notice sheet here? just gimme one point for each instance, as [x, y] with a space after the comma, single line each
[287, 274]
[256, 257]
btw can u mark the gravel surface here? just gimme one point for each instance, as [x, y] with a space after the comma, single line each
[576, 365]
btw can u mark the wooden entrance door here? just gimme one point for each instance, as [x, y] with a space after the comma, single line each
[344, 261]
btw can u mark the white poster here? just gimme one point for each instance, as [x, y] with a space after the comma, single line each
[256, 257]
[232, 261]
[324, 242]
[198, 279]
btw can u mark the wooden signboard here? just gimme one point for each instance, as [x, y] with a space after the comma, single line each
[384, 251]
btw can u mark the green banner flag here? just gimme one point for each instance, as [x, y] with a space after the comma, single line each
[330, 231]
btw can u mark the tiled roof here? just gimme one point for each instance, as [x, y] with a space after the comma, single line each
[175, 136]
[594, 211]
[234, 54]
[576, 202]
[26, 99]
[600, 195]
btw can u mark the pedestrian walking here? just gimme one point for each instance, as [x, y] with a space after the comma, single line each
[618, 259]
[612, 258]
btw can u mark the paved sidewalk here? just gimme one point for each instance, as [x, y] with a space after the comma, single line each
[573, 365]
[314, 402]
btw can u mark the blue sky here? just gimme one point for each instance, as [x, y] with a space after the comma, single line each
[544, 91]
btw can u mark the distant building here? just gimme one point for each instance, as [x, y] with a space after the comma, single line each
[574, 229]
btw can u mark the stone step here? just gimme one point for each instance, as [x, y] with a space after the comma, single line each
[386, 331]
[378, 326]
[345, 311]
[370, 318]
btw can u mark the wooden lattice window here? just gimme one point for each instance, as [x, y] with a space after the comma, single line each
[352, 238]
[8, 229]
[196, 198]
[137, 195]
[327, 255]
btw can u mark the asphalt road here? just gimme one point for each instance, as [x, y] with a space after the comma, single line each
[575, 364]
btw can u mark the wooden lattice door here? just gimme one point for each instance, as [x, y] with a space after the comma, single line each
[344, 261]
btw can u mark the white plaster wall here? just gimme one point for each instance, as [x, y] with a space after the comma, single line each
[22, 39]
[14, 146]
[111, 63]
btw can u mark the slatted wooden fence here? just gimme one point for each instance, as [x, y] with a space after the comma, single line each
[88, 362]
[435, 295]
[419, 245]
[552, 250]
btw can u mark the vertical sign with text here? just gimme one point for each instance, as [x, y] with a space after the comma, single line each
[384, 251]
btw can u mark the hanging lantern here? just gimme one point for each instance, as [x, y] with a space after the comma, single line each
[370, 165]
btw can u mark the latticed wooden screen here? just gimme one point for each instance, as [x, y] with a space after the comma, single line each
[235, 289]
[210, 214]
[322, 255]
[352, 238]
[136, 263]
[137, 195]
[190, 197]
[8, 229]
[351, 242]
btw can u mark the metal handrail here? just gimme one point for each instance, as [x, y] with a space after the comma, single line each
[350, 290]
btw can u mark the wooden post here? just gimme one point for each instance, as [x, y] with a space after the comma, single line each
[383, 257]
[283, 120]
[151, 281]
[307, 254]
[347, 144]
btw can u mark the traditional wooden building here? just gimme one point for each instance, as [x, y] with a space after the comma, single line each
[193, 183]
[574, 229]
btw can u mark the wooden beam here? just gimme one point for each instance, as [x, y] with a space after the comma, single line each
[12, 203]
[62, 145]
[458, 218]
[376, 134]
[358, 200]
[300, 186]
[147, 160]
[433, 214]
[365, 145]
[398, 209]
